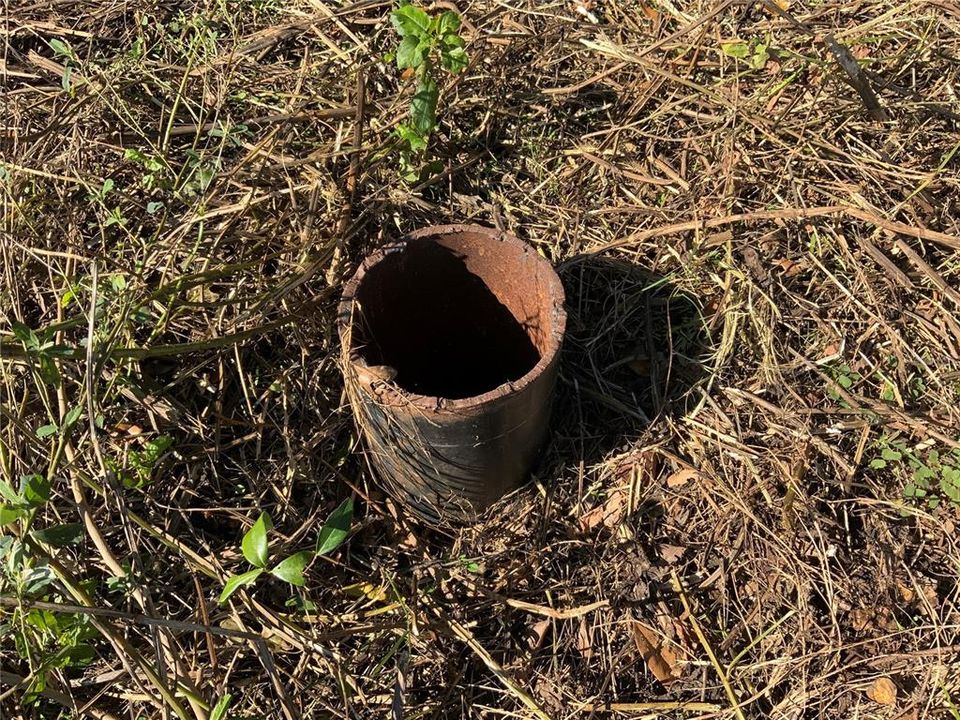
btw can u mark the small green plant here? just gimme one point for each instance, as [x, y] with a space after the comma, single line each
[934, 476]
[44, 640]
[256, 549]
[63, 50]
[144, 461]
[51, 641]
[233, 134]
[34, 491]
[425, 41]
[157, 175]
[198, 174]
[100, 194]
[754, 53]
[40, 347]
[69, 420]
[140, 464]
[23, 503]
[48, 641]
[845, 378]
[195, 176]
[471, 566]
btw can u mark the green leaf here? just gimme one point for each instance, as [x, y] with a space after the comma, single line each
[26, 336]
[43, 620]
[48, 371]
[9, 515]
[408, 170]
[69, 296]
[423, 107]
[410, 21]
[890, 454]
[758, 60]
[71, 417]
[206, 176]
[8, 547]
[255, 544]
[118, 283]
[290, 570]
[62, 48]
[75, 656]
[237, 581]
[449, 23]
[46, 430]
[301, 604]
[36, 579]
[415, 140]
[739, 50]
[335, 529]
[922, 476]
[9, 493]
[409, 53]
[144, 461]
[34, 489]
[60, 535]
[951, 491]
[455, 59]
[878, 463]
[219, 711]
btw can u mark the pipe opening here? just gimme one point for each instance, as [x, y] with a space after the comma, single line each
[456, 315]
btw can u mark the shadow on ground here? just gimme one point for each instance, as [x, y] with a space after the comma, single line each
[635, 347]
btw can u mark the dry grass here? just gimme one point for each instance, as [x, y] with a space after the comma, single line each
[762, 284]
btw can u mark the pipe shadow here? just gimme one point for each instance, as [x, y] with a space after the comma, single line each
[636, 345]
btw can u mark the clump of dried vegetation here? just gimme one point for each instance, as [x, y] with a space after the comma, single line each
[748, 506]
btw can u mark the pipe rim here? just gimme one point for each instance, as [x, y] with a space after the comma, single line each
[391, 394]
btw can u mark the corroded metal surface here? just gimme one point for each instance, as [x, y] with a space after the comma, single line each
[450, 343]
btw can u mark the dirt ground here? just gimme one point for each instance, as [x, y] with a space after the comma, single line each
[749, 501]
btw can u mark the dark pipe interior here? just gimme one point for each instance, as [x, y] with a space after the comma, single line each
[439, 325]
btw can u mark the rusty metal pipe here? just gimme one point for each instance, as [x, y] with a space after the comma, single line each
[450, 343]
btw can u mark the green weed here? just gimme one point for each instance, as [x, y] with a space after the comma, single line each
[934, 475]
[754, 53]
[44, 640]
[843, 376]
[139, 467]
[425, 41]
[256, 549]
